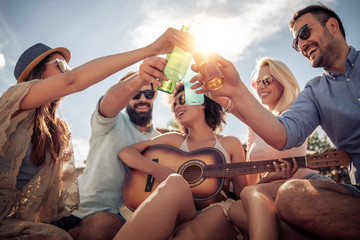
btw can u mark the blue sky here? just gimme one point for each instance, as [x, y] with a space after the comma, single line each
[241, 30]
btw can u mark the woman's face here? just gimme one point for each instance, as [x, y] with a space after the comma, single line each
[269, 94]
[184, 112]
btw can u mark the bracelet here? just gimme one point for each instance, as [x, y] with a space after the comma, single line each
[229, 107]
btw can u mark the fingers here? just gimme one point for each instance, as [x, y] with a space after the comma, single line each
[181, 39]
[287, 168]
[295, 168]
[151, 69]
[194, 68]
[199, 79]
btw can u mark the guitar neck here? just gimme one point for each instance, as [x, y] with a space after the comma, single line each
[243, 168]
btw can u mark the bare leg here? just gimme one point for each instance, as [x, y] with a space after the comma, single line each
[239, 215]
[258, 200]
[101, 225]
[324, 209]
[170, 204]
[211, 224]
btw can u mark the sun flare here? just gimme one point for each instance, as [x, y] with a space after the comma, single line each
[218, 35]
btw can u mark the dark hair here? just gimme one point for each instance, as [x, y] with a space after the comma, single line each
[321, 13]
[214, 112]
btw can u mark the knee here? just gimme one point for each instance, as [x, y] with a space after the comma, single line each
[250, 191]
[174, 186]
[101, 225]
[290, 195]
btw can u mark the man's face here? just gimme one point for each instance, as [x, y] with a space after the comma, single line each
[140, 109]
[319, 48]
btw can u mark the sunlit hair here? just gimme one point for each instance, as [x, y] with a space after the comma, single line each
[284, 76]
[51, 134]
[214, 112]
[321, 13]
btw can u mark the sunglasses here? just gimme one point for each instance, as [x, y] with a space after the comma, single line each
[149, 94]
[181, 100]
[266, 80]
[304, 34]
[64, 67]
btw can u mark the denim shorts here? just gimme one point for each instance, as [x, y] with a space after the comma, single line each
[316, 176]
[354, 189]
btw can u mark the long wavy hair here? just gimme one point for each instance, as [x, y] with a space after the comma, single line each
[51, 134]
[214, 112]
[284, 76]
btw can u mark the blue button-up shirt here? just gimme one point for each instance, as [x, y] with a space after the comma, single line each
[331, 100]
[101, 184]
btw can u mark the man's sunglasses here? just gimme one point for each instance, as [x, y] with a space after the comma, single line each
[304, 34]
[266, 80]
[62, 64]
[181, 100]
[149, 94]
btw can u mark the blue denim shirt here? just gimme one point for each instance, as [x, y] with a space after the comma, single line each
[331, 100]
[101, 184]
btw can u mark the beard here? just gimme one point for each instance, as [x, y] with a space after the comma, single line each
[329, 53]
[142, 119]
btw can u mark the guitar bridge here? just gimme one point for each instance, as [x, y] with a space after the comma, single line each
[150, 179]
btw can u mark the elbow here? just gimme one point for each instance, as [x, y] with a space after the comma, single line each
[279, 146]
[121, 154]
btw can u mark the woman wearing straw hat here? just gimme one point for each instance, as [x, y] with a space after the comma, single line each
[38, 179]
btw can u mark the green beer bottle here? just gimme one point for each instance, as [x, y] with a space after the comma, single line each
[178, 62]
[167, 86]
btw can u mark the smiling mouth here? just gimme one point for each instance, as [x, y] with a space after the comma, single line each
[180, 113]
[142, 107]
[264, 94]
[310, 51]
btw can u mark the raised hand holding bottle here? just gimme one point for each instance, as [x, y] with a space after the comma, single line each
[178, 62]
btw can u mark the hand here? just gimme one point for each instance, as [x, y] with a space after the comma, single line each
[282, 171]
[151, 69]
[161, 173]
[171, 38]
[231, 76]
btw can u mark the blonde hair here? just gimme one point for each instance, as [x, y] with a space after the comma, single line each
[285, 77]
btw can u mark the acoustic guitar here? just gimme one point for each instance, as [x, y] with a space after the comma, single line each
[205, 170]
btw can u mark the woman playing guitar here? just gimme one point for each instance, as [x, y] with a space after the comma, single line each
[170, 211]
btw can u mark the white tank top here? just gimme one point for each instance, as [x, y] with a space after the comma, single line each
[184, 147]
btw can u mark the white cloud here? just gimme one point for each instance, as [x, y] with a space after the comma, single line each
[231, 28]
[2, 60]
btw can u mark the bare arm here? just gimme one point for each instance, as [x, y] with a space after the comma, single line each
[133, 158]
[253, 114]
[121, 93]
[96, 70]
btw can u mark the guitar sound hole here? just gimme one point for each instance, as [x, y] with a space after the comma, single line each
[192, 173]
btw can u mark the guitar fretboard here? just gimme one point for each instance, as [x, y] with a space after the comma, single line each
[243, 168]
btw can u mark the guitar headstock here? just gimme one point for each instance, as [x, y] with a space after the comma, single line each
[328, 159]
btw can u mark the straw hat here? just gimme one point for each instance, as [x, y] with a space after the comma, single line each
[33, 56]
